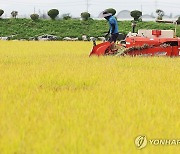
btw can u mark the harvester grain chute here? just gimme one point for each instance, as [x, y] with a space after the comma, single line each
[143, 43]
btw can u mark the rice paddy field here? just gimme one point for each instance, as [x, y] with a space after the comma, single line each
[54, 99]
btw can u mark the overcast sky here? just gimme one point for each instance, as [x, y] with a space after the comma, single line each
[75, 7]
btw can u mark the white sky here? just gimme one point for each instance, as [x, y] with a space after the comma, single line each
[75, 7]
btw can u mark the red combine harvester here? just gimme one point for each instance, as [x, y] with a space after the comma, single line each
[143, 43]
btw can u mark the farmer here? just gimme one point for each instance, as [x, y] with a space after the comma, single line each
[113, 30]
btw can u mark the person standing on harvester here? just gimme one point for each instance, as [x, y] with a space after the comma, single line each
[113, 30]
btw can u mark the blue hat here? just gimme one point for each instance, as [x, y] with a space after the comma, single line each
[106, 14]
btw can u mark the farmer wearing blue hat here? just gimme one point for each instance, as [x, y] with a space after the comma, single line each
[113, 30]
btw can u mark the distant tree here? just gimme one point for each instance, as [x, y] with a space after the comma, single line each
[66, 16]
[178, 21]
[136, 14]
[160, 14]
[53, 13]
[85, 15]
[14, 14]
[1, 12]
[34, 17]
[111, 10]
